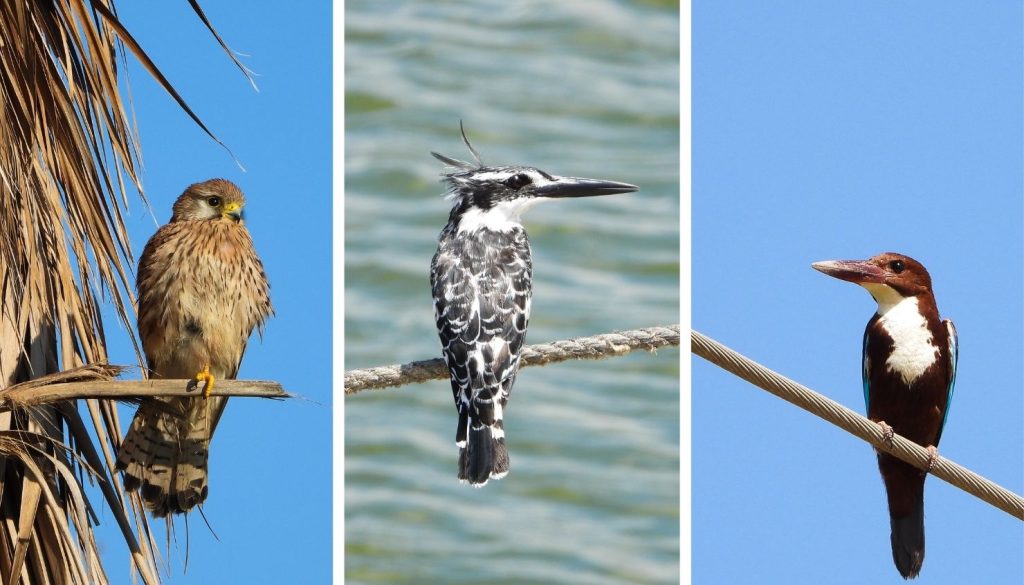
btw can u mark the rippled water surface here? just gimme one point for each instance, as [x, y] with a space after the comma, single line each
[576, 88]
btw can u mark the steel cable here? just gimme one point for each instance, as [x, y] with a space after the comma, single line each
[850, 421]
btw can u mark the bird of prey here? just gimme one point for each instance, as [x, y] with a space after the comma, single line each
[482, 283]
[909, 367]
[202, 291]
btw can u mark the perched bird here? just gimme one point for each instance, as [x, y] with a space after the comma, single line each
[202, 291]
[908, 371]
[482, 283]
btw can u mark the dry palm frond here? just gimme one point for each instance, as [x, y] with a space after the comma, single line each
[67, 156]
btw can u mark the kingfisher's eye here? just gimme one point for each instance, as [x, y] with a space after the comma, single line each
[518, 181]
[896, 266]
[214, 201]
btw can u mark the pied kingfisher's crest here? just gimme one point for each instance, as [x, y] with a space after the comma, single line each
[482, 187]
[496, 196]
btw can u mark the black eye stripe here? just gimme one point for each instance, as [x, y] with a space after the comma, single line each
[518, 180]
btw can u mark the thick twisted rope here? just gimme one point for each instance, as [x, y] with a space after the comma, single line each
[855, 424]
[592, 348]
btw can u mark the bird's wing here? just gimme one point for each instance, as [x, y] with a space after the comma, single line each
[504, 315]
[452, 307]
[481, 310]
[954, 351]
[865, 371]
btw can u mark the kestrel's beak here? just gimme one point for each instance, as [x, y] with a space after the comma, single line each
[234, 211]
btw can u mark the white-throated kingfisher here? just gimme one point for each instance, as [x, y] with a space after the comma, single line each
[909, 367]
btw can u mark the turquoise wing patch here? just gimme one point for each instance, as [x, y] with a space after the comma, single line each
[865, 375]
[954, 353]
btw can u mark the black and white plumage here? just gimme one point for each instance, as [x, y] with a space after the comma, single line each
[482, 282]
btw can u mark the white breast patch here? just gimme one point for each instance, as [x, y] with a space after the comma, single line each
[914, 350]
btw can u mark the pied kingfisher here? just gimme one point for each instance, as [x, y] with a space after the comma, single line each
[482, 281]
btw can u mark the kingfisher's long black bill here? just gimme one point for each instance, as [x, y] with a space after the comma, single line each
[855, 271]
[576, 187]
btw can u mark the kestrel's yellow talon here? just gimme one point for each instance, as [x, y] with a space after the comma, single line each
[206, 376]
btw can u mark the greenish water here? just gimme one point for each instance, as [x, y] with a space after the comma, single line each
[576, 88]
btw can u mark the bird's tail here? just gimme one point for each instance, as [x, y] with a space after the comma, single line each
[164, 455]
[908, 542]
[904, 486]
[483, 454]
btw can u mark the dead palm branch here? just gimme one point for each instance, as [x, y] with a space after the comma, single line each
[68, 156]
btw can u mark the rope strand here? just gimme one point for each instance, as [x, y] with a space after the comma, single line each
[854, 424]
[594, 348]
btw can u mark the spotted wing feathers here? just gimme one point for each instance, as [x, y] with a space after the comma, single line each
[481, 304]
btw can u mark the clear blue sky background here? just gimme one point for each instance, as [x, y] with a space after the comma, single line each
[270, 468]
[826, 130]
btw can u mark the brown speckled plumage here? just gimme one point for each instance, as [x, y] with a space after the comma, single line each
[202, 291]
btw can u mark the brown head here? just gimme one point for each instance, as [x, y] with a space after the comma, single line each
[214, 200]
[888, 276]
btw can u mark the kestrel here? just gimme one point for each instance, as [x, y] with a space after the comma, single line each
[202, 291]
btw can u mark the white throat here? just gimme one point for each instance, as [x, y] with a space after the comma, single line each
[913, 348]
[503, 217]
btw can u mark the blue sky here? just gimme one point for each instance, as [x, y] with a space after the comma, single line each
[270, 474]
[837, 131]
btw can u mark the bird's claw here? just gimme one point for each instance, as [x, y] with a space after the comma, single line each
[933, 457]
[207, 377]
[887, 432]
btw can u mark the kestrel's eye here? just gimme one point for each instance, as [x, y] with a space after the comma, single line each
[518, 181]
[214, 201]
[896, 266]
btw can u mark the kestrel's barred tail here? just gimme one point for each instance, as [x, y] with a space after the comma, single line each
[171, 475]
[202, 291]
